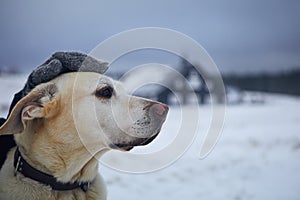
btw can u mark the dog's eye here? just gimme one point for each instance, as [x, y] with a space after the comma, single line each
[105, 92]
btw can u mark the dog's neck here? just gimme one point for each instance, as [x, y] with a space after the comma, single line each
[77, 172]
[22, 166]
[67, 162]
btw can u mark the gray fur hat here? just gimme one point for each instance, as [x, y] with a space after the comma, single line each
[63, 62]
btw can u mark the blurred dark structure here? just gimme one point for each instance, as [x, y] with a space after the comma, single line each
[187, 88]
[181, 88]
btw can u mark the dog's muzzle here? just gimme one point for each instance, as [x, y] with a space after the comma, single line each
[158, 113]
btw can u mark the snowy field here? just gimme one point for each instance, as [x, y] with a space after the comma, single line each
[257, 156]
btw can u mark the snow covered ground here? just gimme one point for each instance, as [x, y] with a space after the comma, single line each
[257, 156]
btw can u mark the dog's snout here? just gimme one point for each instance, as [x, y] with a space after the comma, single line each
[160, 109]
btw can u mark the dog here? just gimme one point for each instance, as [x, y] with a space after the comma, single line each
[62, 127]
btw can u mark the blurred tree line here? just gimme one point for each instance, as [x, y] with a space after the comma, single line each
[5, 70]
[287, 82]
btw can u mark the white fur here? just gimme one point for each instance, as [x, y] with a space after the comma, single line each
[62, 127]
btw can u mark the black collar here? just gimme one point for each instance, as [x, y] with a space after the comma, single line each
[28, 171]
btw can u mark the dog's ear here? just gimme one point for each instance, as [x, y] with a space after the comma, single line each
[37, 104]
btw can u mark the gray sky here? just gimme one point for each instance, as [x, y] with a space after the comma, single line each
[240, 35]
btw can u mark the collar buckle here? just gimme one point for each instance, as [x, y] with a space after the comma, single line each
[17, 165]
[85, 186]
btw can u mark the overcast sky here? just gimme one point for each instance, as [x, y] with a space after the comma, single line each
[240, 35]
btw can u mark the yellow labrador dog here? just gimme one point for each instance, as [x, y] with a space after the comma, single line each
[63, 126]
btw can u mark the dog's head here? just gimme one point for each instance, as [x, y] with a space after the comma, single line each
[85, 109]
